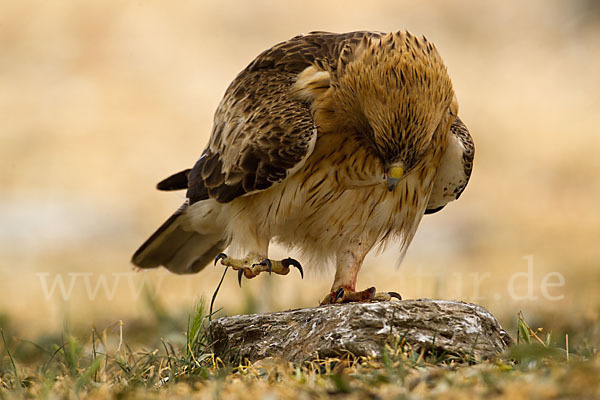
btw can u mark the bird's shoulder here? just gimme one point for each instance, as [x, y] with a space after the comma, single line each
[263, 129]
[319, 48]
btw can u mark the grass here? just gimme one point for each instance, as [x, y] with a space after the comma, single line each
[171, 355]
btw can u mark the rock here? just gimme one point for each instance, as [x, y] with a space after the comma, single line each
[361, 329]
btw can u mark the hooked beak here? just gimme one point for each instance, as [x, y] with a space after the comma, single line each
[394, 175]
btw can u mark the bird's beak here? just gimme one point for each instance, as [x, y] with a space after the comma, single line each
[394, 175]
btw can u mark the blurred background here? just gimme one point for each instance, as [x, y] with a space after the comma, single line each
[101, 100]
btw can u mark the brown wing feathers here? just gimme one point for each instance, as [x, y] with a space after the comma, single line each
[459, 129]
[260, 131]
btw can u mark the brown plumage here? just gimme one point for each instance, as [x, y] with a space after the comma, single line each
[330, 143]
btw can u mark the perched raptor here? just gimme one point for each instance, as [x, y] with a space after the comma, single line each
[328, 143]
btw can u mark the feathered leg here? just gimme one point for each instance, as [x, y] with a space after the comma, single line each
[256, 259]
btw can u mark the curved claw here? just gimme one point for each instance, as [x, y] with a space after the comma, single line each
[268, 263]
[220, 256]
[240, 273]
[395, 295]
[338, 295]
[290, 261]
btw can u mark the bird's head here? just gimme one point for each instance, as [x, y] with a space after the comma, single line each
[394, 93]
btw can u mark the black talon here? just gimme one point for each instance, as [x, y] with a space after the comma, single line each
[240, 273]
[290, 261]
[372, 291]
[268, 263]
[395, 295]
[220, 256]
[338, 295]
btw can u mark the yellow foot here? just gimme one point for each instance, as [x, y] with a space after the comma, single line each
[347, 296]
[254, 264]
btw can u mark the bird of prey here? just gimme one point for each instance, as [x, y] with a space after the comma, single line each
[328, 143]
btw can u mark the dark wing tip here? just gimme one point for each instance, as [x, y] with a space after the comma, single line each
[176, 181]
[434, 210]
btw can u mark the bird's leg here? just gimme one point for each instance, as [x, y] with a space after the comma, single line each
[348, 263]
[257, 259]
[254, 263]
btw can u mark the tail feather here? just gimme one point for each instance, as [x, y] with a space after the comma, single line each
[179, 250]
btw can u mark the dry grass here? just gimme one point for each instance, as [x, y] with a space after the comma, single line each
[126, 362]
